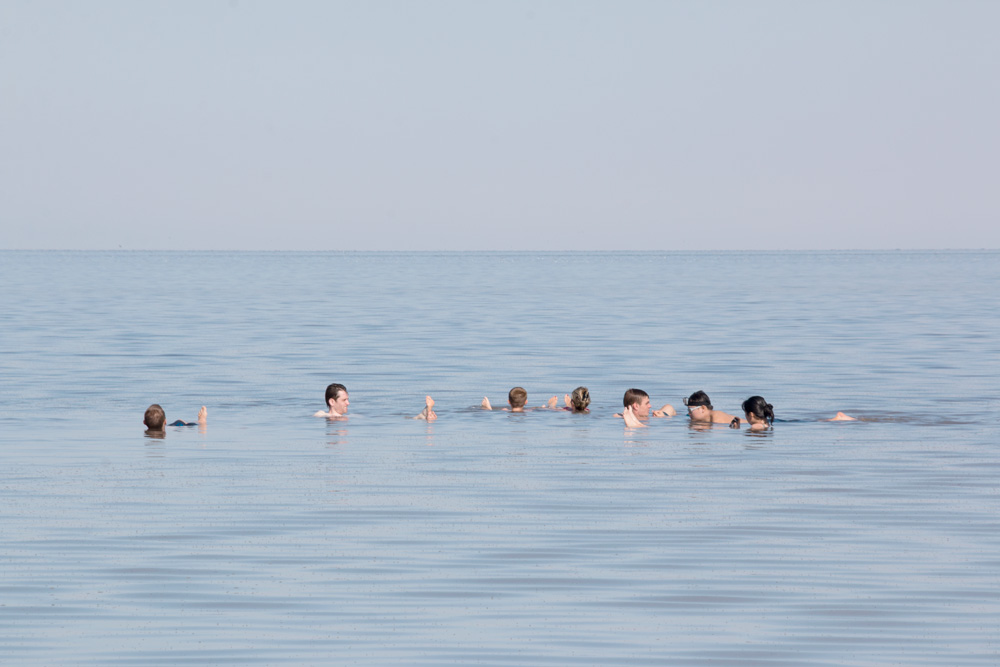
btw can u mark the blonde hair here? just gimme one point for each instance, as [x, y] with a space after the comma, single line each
[580, 399]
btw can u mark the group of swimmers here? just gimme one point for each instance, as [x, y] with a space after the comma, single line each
[758, 413]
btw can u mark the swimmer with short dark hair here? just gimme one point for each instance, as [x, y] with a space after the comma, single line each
[701, 412]
[337, 400]
[154, 419]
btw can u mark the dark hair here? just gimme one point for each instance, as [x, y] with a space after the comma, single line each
[633, 396]
[698, 398]
[759, 408]
[154, 418]
[580, 399]
[517, 396]
[332, 391]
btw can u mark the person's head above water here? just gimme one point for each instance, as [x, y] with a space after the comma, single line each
[517, 397]
[337, 399]
[699, 406]
[698, 398]
[639, 400]
[579, 399]
[154, 419]
[758, 411]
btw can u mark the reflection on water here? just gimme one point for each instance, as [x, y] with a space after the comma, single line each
[272, 537]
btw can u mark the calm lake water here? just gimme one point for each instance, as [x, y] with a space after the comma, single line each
[272, 537]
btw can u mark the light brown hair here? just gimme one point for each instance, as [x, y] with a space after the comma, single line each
[517, 397]
[154, 418]
[633, 396]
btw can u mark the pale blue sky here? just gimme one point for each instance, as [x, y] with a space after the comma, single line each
[499, 125]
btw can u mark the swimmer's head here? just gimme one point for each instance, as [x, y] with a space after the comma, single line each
[154, 419]
[517, 397]
[698, 398]
[699, 407]
[336, 397]
[579, 399]
[633, 396]
[758, 410]
[639, 401]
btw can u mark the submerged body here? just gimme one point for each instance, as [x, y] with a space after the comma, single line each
[700, 411]
[154, 420]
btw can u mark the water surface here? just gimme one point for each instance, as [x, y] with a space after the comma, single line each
[272, 537]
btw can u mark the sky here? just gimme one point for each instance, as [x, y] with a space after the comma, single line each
[555, 125]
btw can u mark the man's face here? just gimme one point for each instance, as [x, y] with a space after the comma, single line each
[641, 409]
[339, 404]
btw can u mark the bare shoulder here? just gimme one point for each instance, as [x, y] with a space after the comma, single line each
[720, 417]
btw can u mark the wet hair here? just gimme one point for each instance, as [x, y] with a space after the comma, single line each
[633, 396]
[154, 418]
[333, 391]
[759, 408]
[517, 397]
[579, 399]
[698, 398]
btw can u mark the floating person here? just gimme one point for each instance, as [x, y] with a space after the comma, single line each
[701, 412]
[636, 401]
[337, 400]
[517, 398]
[579, 401]
[428, 413]
[155, 419]
[759, 413]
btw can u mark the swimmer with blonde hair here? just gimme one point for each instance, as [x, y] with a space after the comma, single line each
[578, 401]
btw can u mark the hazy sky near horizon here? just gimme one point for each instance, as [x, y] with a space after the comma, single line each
[556, 125]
